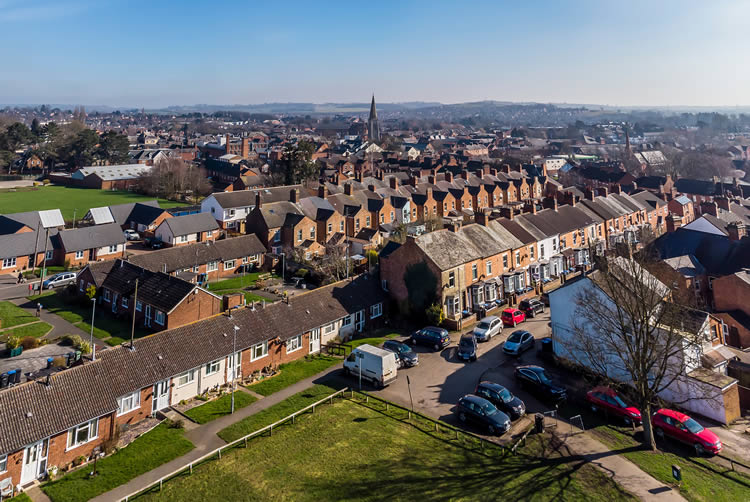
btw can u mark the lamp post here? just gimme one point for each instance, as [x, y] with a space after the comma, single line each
[93, 347]
[283, 268]
[234, 363]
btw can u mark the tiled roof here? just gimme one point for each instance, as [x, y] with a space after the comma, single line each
[179, 257]
[191, 224]
[80, 239]
[158, 289]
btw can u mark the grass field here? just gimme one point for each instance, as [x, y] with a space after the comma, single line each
[292, 373]
[347, 451]
[69, 199]
[149, 451]
[13, 315]
[219, 407]
[34, 330]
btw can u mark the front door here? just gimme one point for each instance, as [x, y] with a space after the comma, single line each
[359, 320]
[114, 302]
[34, 462]
[160, 399]
[315, 341]
[147, 322]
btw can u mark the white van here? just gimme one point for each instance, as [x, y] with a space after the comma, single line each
[378, 365]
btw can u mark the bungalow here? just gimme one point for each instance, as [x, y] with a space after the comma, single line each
[183, 230]
[79, 246]
[57, 420]
[120, 177]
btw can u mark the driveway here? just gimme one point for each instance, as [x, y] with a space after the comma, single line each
[441, 379]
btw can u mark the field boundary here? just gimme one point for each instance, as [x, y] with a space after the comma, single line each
[217, 452]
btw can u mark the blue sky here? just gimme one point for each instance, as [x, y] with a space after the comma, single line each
[158, 53]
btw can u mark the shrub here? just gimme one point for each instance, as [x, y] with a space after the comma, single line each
[79, 460]
[434, 314]
[301, 272]
[372, 257]
[84, 347]
[174, 424]
[13, 342]
[91, 291]
[46, 181]
[29, 342]
[109, 445]
[72, 340]
[58, 362]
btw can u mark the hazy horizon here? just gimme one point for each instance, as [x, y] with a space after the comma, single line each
[669, 54]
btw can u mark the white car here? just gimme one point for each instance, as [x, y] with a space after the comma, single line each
[488, 327]
[131, 235]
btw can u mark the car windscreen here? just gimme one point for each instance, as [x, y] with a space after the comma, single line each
[506, 396]
[693, 426]
[466, 343]
[514, 337]
[543, 377]
[403, 349]
[484, 325]
[619, 402]
[488, 408]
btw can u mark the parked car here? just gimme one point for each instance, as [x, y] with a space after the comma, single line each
[607, 400]
[544, 298]
[670, 423]
[437, 338]
[374, 364]
[535, 380]
[153, 243]
[518, 342]
[61, 279]
[131, 235]
[405, 354]
[488, 327]
[511, 317]
[531, 307]
[467, 347]
[483, 413]
[501, 398]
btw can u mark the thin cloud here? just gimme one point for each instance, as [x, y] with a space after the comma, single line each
[12, 11]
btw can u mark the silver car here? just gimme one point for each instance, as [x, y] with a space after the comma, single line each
[61, 279]
[488, 327]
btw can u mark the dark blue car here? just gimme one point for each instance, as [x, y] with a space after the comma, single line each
[482, 413]
[502, 398]
[534, 379]
[467, 347]
[437, 338]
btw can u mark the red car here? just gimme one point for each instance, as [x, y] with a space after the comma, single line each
[512, 317]
[681, 427]
[607, 400]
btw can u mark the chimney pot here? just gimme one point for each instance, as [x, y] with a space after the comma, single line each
[448, 176]
[258, 201]
[348, 189]
[393, 182]
[293, 195]
[322, 191]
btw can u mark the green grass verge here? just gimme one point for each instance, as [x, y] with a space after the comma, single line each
[275, 412]
[21, 497]
[149, 451]
[13, 315]
[249, 296]
[70, 199]
[346, 451]
[292, 373]
[36, 330]
[702, 479]
[51, 270]
[238, 282]
[374, 340]
[219, 407]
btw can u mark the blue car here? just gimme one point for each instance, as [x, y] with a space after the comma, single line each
[437, 338]
[518, 342]
[480, 412]
[467, 347]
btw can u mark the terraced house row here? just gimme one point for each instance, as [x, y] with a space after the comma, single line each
[56, 419]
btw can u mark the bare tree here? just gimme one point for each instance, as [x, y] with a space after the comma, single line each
[625, 327]
[171, 177]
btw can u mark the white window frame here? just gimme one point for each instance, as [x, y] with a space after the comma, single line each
[9, 262]
[489, 267]
[106, 295]
[329, 328]
[209, 233]
[229, 264]
[451, 279]
[186, 378]
[79, 255]
[263, 351]
[384, 284]
[376, 310]
[347, 321]
[213, 367]
[113, 248]
[299, 235]
[138, 305]
[128, 403]
[3, 463]
[49, 255]
[124, 302]
[182, 238]
[159, 317]
[212, 266]
[294, 344]
[474, 272]
[93, 433]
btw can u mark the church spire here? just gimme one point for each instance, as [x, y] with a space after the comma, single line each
[373, 127]
[373, 111]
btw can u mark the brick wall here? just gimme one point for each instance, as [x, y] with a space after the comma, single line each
[59, 456]
[194, 308]
[732, 403]
[277, 355]
[731, 293]
[139, 413]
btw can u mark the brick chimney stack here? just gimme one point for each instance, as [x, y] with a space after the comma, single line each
[371, 188]
[493, 172]
[737, 231]
[709, 208]
[431, 179]
[322, 191]
[530, 207]
[293, 195]
[674, 221]
[393, 181]
[465, 174]
[603, 191]
[550, 203]
[348, 188]
[245, 148]
[588, 193]
[414, 181]
[449, 176]
[258, 201]
[505, 168]
[722, 202]
[482, 217]
[616, 188]
[507, 212]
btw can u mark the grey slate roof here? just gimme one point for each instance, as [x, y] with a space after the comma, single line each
[14, 245]
[246, 198]
[80, 239]
[154, 288]
[191, 223]
[275, 214]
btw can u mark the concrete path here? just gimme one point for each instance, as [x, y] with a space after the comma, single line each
[623, 471]
[36, 494]
[205, 439]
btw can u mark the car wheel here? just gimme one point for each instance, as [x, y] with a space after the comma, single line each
[462, 417]
[514, 323]
[436, 347]
[659, 433]
[347, 371]
[491, 430]
[594, 409]
[627, 420]
[699, 451]
[473, 358]
[413, 341]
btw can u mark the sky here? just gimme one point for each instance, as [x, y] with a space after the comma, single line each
[155, 53]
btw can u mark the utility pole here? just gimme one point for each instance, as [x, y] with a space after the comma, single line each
[135, 302]
[36, 247]
[93, 347]
[234, 363]
[44, 260]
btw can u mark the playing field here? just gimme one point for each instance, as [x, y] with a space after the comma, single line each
[69, 200]
[347, 451]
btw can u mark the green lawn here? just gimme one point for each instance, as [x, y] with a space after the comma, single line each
[219, 407]
[69, 199]
[346, 451]
[249, 296]
[36, 330]
[149, 451]
[275, 412]
[13, 315]
[105, 326]
[376, 340]
[238, 282]
[51, 270]
[292, 373]
[702, 479]
[21, 497]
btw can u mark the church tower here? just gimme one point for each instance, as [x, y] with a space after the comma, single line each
[373, 128]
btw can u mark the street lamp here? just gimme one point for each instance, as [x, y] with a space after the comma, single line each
[93, 347]
[234, 363]
[283, 268]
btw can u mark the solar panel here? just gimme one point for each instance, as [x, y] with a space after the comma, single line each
[52, 218]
